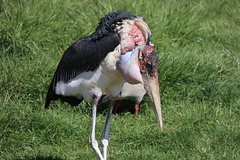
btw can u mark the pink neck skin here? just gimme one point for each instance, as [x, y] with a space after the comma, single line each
[135, 38]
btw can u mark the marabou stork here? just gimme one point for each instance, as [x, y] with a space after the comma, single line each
[116, 52]
[133, 92]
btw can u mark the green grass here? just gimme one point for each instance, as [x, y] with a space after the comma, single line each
[199, 74]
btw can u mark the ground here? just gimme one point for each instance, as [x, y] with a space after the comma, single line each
[198, 47]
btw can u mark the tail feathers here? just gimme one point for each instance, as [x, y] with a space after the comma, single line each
[48, 100]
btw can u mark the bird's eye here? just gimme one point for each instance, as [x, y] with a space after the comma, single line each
[149, 64]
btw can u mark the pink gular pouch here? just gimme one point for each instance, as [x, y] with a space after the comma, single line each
[128, 66]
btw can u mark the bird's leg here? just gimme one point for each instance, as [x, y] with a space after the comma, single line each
[136, 110]
[104, 137]
[116, 106]
[92, 140]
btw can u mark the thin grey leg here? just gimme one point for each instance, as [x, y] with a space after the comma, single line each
[92, 141]
[104, 137]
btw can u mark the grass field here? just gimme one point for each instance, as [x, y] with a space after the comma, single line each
[198, 46]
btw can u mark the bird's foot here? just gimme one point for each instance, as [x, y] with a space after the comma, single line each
[94, 144]
[104, 148]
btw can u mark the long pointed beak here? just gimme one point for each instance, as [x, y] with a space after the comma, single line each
[152, 87]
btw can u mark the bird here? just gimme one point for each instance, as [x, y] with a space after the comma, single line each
[133, 92]
[117, 52]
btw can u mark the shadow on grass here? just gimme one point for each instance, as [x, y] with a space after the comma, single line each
[125, 106]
